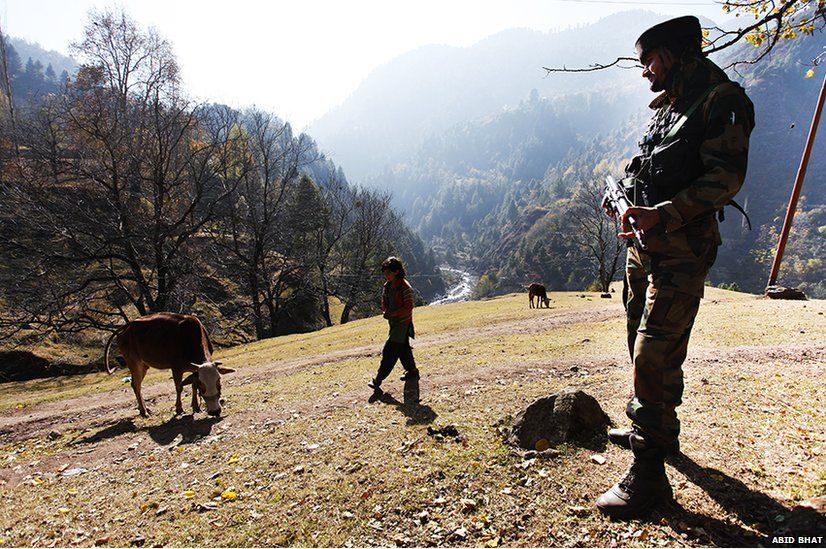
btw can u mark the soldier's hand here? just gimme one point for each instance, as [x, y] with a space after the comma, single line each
[606, 206]
[645, 218]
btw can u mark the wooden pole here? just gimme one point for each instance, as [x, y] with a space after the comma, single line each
[798, 186]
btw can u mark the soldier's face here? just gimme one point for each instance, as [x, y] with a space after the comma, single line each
[655, 68]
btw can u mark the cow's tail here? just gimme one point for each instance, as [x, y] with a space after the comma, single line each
[108, 345]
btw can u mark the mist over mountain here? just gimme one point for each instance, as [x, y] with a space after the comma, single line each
[485, 152]
[430, 89]
[57, 60]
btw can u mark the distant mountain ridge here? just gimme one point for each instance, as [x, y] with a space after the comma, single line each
[432, 88]
[57, 60]
[484, 170]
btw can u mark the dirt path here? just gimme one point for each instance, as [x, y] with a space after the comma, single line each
[89, 411]
[102, 418]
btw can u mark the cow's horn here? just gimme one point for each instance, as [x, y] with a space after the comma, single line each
[196, 365]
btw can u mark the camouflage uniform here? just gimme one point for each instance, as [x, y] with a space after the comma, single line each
[688, 179]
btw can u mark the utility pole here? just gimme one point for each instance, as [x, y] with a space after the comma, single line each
[798, 186]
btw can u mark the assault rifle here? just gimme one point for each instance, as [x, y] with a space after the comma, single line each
[617, 200]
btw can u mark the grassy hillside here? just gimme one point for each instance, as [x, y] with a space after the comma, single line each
[302, 458]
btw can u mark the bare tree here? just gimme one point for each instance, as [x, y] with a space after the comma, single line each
[364, 248]
[256, 236]
[595, 233]
[769, 23]
[336, 220]
[124, 175]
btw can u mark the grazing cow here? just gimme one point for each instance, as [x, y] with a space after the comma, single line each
[171, 341]
[537, 291]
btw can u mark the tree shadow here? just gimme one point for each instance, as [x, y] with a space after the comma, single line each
[767, 516]
[416, 412]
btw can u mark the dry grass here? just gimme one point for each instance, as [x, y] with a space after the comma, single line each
[311, 462]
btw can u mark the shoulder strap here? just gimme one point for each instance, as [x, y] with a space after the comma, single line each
[733, 203]
[684, 118]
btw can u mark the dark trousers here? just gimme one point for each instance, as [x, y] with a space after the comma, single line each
[393, 352]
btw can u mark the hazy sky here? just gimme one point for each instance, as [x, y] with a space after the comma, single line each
[301, 58]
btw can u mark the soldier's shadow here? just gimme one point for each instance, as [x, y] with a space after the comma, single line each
[416, 412]
[750, 506]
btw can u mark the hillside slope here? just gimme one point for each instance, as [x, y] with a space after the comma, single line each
[302, 458]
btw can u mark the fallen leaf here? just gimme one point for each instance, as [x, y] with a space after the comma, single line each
[810, 73]
[229, 495]
[365, 495]
[64, 510]
[72, 491]
[102, 541]
[189, 494]
[38, 481]
[542, 444]
[234, 458]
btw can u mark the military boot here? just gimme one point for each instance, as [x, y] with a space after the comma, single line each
[622, 437]
[643, 486]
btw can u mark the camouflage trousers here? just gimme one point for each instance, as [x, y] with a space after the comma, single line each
[662, 296]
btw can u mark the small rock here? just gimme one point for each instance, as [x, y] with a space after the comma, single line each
[137, 541]
[596, 458]
[467, 504]
[74, 471]
[161, 511]
[459, 533]
[439, 501]
[298, 469]
[54, 435]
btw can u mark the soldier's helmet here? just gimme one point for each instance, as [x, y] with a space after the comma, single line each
[679, 35]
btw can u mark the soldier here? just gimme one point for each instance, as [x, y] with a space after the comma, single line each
[692, 162]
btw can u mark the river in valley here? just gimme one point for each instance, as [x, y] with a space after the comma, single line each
[461, 290]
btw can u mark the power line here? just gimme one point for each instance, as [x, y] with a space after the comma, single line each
[639, 3]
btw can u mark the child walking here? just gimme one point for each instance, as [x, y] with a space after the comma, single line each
[397, 306]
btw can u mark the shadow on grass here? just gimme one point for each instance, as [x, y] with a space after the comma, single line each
[416, 412]
[765, 516]
[187, 427]
[114, 429]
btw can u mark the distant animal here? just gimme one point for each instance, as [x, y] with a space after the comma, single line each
[171, 341]
[537, 291]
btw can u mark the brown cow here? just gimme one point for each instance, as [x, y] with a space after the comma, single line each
[537, 291]
[171, 341]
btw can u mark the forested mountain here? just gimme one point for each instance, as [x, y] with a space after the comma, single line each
[123, 197]
[35, 72]
[495, 191]
[430, 89]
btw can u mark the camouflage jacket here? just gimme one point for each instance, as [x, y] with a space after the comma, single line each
[699, 171]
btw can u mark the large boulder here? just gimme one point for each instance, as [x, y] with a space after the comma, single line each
[557, 418]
